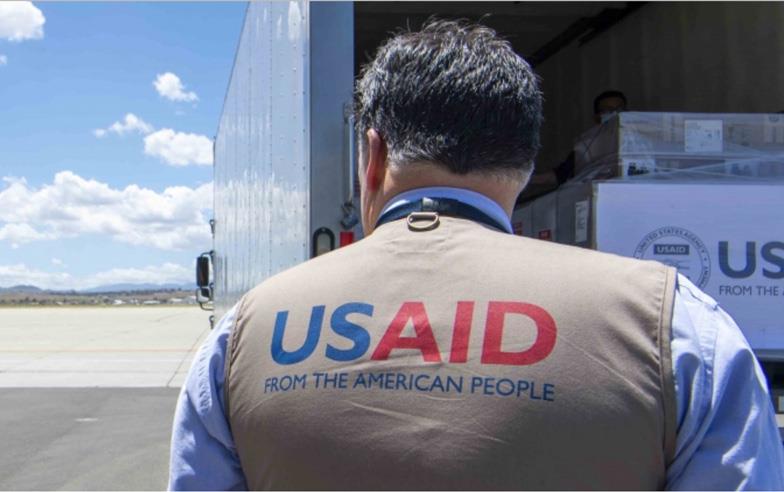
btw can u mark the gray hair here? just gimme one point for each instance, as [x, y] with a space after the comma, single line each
[452, 94]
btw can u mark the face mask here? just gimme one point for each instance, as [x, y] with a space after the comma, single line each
[605, 117]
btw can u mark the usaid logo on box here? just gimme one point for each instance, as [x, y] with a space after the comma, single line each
[680, 248]
[671, 249]
[728, 239]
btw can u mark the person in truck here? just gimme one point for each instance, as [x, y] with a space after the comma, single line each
[605, 106]
[443, 352]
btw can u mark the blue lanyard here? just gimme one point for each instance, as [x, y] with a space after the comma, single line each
[443, 206]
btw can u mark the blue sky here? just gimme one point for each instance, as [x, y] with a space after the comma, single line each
[108, 112]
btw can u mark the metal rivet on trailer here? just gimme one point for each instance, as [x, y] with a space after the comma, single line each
[422, 221]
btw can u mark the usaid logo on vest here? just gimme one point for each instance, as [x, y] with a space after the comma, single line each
[679, 248]
[414, 313]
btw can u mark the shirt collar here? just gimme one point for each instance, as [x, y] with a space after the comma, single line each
[478, 200]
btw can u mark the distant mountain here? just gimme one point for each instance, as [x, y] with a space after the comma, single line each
[137, 287]
[21, 289]
[31, 289]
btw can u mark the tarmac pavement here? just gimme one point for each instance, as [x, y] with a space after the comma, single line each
[87, 395]
[85, 438]
[128, 347]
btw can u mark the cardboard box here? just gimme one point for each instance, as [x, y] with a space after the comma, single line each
[727, 238]
[538, 218]
[682, 136]
[544, 217]
[575, 214]
[522, 220]
[633, 166]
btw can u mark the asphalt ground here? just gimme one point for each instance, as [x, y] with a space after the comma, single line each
[87, 395]
[85, 438]
[129, 347]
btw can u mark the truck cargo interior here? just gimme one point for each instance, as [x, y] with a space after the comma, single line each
[666, 57]
[700, 57]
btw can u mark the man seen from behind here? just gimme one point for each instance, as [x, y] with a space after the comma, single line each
[443, 352]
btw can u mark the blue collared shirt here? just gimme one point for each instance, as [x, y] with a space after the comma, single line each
[727, 437]
[486, 205]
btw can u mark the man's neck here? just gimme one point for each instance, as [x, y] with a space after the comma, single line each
[477, 201]
[502, 190]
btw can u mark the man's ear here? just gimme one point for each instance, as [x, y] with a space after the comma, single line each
[377, 161]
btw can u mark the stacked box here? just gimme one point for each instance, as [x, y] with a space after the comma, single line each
[724, 236]
[574, 215]
[538, 218]
[522, 220]
[699, 192]
[544, 217]
[633, 143]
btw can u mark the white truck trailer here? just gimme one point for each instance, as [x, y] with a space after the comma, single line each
[284, 177]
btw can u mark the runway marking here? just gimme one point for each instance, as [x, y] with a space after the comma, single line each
[87, 419]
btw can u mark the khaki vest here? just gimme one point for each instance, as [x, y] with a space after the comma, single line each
[455, 358]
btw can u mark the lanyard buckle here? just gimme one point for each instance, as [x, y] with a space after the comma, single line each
[422, 221]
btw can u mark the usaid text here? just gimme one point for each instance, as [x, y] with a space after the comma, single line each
[424, 340]
[767, 256]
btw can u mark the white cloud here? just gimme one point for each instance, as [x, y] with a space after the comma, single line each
[131, 123]
[20, 21]
[171, 87]
[15, 180]
[21, 233]
[20, 274]
[72, 206]
[58, 262]
[179, 149]
[168, 273]
[3, 60]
